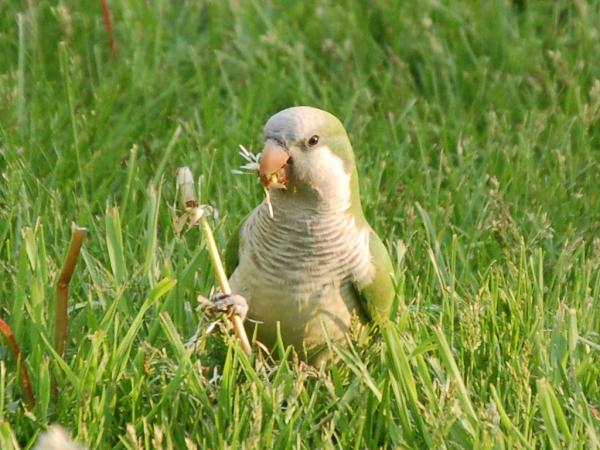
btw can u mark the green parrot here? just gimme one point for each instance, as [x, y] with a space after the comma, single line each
[312, 262]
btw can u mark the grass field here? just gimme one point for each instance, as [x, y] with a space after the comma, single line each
[476, 126]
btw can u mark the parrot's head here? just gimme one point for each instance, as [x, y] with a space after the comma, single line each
[307, 153]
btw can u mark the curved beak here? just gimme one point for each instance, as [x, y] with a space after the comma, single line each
[275, 169]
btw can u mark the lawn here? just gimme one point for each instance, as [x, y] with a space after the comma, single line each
[476, 126]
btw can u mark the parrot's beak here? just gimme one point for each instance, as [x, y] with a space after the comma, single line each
[275, 166]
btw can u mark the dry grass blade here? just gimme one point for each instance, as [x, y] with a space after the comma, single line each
[62, 288]
[25, 380]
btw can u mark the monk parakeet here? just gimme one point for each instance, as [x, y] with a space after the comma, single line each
[315, 262]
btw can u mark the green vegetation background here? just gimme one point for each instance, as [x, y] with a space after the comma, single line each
[476, 129]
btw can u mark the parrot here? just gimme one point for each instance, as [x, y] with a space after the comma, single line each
[303, 267]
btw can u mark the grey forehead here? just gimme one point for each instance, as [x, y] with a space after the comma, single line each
[295, 123]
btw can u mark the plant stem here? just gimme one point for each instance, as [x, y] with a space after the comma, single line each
[108, 26]
[187, 195]
[62, 288]
[24, 374]
[215, 259]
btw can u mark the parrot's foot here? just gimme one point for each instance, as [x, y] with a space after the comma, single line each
[230, 304]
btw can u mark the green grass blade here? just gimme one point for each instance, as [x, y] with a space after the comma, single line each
[114, 242]
[455, 376]
[123, 349]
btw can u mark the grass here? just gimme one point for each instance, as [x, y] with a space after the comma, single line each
[475, 125]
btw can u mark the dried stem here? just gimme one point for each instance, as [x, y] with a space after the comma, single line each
[108, 25]
[24, 374]
[185, 184]
[236, 320]
[62, 288]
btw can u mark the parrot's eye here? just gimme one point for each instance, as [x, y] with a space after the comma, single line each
[313, 140]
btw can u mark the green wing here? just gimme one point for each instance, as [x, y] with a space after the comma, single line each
[232, 255]
[377, 297]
